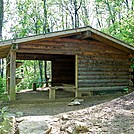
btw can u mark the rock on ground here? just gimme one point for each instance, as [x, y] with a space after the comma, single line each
[112, 117]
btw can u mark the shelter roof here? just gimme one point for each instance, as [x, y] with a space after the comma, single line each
[82, 33]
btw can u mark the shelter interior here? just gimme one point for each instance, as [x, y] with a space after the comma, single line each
[62, 66]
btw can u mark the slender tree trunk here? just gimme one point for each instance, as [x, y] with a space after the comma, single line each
[41, 72]
[76, 15]
[99, 22]
[1, 17]
[1, 25]
[62, 18]
[46, 26]
[35, 72]
[45, 72]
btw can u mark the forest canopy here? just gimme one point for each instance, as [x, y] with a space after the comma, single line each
[22, 18]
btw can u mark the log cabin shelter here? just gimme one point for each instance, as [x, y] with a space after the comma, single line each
[85, 58]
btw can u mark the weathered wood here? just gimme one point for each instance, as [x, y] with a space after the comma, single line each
[67, 52]
[77, 93]
[110, 42]
[52, 93]
[103, 80]
[102, 69]
[12, 95]
[89, 53]
[87, 89]
[102, 65]
[107, 62]
[104, 73]
[105, 77]
[7, 76]
[110, 84]
[34, 86]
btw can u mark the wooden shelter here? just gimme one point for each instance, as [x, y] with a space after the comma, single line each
[85, 58]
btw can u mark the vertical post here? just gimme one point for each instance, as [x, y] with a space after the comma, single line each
[12, 94]
[34, 86]
[7, 74]
[77, 93]
[52, 93]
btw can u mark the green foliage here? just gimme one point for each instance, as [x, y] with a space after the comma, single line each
[3, 94]
[2, 85]
[5, 121]
[31, 74]
[30, 18]
[123, 30]
[3, 112]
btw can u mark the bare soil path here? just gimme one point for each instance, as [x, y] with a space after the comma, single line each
[98, 114]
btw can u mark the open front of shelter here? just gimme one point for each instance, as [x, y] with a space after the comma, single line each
[83, 60]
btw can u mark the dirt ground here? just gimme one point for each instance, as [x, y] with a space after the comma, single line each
[99, 114]
[37, 103]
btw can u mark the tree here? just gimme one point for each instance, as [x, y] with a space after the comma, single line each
[1, 25]
[1, 17]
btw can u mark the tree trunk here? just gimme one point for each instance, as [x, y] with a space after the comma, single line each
[1, 17]
[41, 72]
[46, 26]
[45, 72]
[1, 25]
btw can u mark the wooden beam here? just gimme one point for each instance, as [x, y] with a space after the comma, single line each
[86, 34]
[87, 89]
[77, 93]
[7, 75]
[12, 94]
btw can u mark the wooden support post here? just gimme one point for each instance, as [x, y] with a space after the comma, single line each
[7, 75]
[12, 94]
[34, 86]
[52, 93]
[77, 93]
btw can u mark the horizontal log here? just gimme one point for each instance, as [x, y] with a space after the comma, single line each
[107, 62]
[104, 77]
[103, 73]
[37, 51]
[103, 84]
[102, 69]
[48, 47]
[36, 56]
[103, 81]
[101, 88]
[100, 48]
[101, 54]
[99, 58]
[103, 66]
[61, 61]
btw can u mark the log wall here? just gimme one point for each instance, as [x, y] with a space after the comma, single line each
[100, 66]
